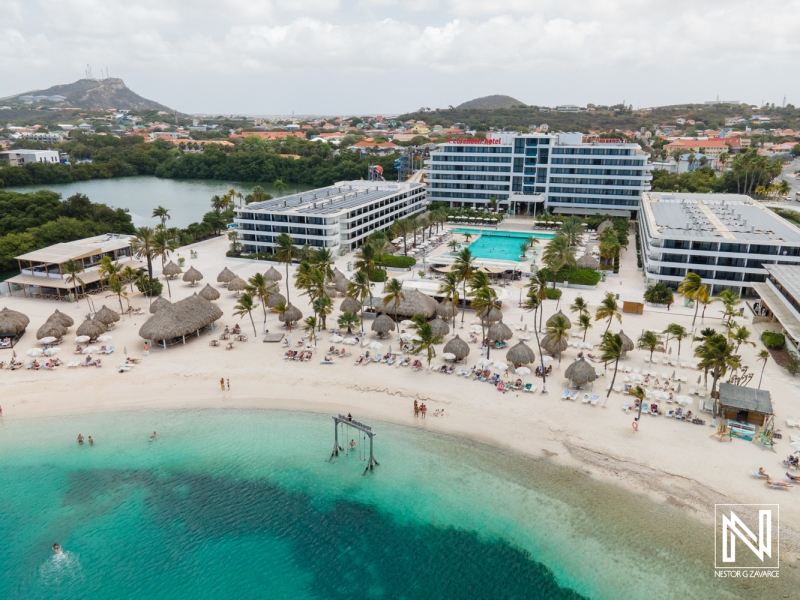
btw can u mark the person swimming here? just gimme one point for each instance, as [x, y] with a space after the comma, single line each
[57, 548]
[80, 438]
[352, 444]
[152, 437]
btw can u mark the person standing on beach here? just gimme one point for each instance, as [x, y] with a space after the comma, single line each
[222, 383]
[229, 384]
[416, 409]
[424, 410]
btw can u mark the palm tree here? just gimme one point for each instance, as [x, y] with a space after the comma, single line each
[557, 330]
[310, 327]
[580, 306]
[648, 341]
[108, 269]
[348, 320]
[258, 193]
[611, 348]
[427, 341]
[323, 307]
[538, 287]
[638, 393]
[532, 304]
[159, 212]
[478, 280]
[558, 254]
[162, 246]
[449, 287]
[218, 205]
[584, 324]
[572, 228]
[704, 298]
[129, 274]
[483, 301]
[394, 293]
[453, 245]
[72, 268]
[465, 266]
[360, 288]
[609, 247]
[260, 288]
[142, 245]
[740, 336]
[608, 309]
[118, 288]
[763, 355]
[401, 228]
[233, 236]
[716, 355]
[244, 306]
[690, 288]
[678, 332]
[285, 252]
[279, 186]
[322, 258]
[467, 237]
[730, 300]
[366, 260]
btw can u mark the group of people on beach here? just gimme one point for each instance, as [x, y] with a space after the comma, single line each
[81, 440]
[222, 383]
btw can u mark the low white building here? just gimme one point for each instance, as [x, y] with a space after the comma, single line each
[20, 158]
[40, 136]
[337, 217]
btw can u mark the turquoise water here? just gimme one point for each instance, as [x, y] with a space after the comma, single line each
[244, 504]
[500, 245]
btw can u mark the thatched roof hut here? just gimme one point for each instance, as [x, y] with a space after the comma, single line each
[520, 354]
[192, 275]
[447, 310]
[500, 332]
[458, 347]
[107, 316]
[272, 274]
[159, 303]
[492, 316]
[580, 372]
[180, 319]
[51, 329]
[340, 283]
[62, 318]
[603, 225]
[291, 316]
[414, 303]
[627, 343]
[439, 327]
[209, 293]
[350, 304]
[275, 299]
[12, 322]
[559, 313]
[587, 261]
[237, 284]
[225, 275]
[92, 328]
[383, 324]
[550, 346]
[171, 270]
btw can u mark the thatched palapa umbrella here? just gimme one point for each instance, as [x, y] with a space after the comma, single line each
[551, 319]
[292, 315]
[492, 315]
[551, 347]
[627, 343]
[520, 354]
[447, 310]
[12, 322]
[383, 324]
[159, 303]
[272, 275]
[439, 327]
[62, 318]
[192, 275]
[457, 347]
[178, 320]
[225, 275]
[580, 372]
[604, 225]
[414, 303]
[92, 328]
[273, 300]
[171, 270]
[587, 261]
[51, 329]
[350, 305]
[500, 332]
[209, 293]
[237, 284]
[106, 316]
[340, 283]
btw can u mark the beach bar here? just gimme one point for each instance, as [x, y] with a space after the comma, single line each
[744, 404]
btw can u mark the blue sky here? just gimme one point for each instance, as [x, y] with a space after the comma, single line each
[387, 56]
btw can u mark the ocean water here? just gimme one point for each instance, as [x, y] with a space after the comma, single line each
[230, 503]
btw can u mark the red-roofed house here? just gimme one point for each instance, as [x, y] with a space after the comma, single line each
[267, 135]
[711, 147]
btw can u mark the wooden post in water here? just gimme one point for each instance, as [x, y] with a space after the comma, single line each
[365, 429]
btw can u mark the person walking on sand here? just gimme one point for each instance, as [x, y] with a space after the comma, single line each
[229, 384]
[416, 409]
[222, 383]
[424, 410]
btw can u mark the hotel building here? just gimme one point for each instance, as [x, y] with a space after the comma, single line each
[562, 172]
[339, 217]
[727, 239]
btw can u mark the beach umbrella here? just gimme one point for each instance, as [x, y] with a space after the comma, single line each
[192, 276]
[439, 327]
[559, 313]
[484, 362]
[225, 276]
[376, 345]
[349, 341]
[171, 270]
[457, 347]
[406, 323]
[580, 372]
[492, 316]
[500, 332]
[547, 360]
[35, 352]
[351, 305]
[383, 324]
[106, 316]
[48, 340]
[159, 303]
[209, 293]
[104, 338]
[447, 310]
[405, 336]
[272, 275]
[59, 317]
[475, 329]
[92, 328]
[627, 343]
[336, 338]
[501, 366]
[552, 345]
[522, 371]
[449, 356]
[12, 322]
[51, 329]
[82, 339]
[51, 351]
[273, 300]
[520, 354]
[89, 349]
[237, 284]
[292, 315]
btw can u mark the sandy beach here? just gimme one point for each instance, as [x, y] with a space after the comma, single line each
[674, 462]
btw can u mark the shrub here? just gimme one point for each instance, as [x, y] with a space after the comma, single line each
[149, 287]
[773, 340]
[378, 276]
[553, 293]
[793, 366]
[616, 264]
[574, 275]
[397, 262]
[659, 293]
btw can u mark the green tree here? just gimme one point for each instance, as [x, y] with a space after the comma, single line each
[142, 245]
[310, 328]
[162, 245]
[117, 288]
[285, 252]
[426, 342]
[348, 320]
[730, 301]
[558, 254]
[580, 306]
[161, 213]
[716, 356]
[259, 287]
[449, 287]
[648, 341]
[690, 288]
[244, 306]
[537, 286]
[464, 267]
[763, 355]
[402, 228]
[740, 335]
[558, 330]
[483, 301]
[323, 307]
[394, 294]
[584, 324]
[73, 268]
[360, 288]
[366, 260]
[678, 332]
[572, 229]
[608, 309]
[638, 393]
[279, 186]
[611, 351]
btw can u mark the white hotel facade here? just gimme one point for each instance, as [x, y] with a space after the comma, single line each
[339, 217]
[562, 172]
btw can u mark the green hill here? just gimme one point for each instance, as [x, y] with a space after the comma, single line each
[490, 102]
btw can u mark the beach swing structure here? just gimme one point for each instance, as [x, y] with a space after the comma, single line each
[366, 432]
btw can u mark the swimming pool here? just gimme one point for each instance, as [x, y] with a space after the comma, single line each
[500, 245]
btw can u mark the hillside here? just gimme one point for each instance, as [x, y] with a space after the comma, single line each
[490, 102]
[94, 93]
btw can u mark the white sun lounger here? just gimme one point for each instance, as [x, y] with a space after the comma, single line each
[627, 368]
[586, 398]
[665, 361]
[790, 421]
[573, 395]
[595, 399]
[692, 390]
[637, 370]
[565, 395]
[618, 388]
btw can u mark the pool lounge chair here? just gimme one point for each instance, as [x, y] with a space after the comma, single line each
[626, 407]
[573, 395]
[595, 399]
[586, 399]
[565, 395]
[791, 421]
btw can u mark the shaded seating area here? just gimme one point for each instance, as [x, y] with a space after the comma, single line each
[12, 327]
[744, 405]
[171, 324]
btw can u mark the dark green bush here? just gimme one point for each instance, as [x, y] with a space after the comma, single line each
[616, 264]
[149, 287]
[397, 262]
[553, 293]
[574, 275]
[378, 276]
[659, 293]
[773, 340]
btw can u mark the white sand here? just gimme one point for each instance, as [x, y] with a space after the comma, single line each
[670, 460]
